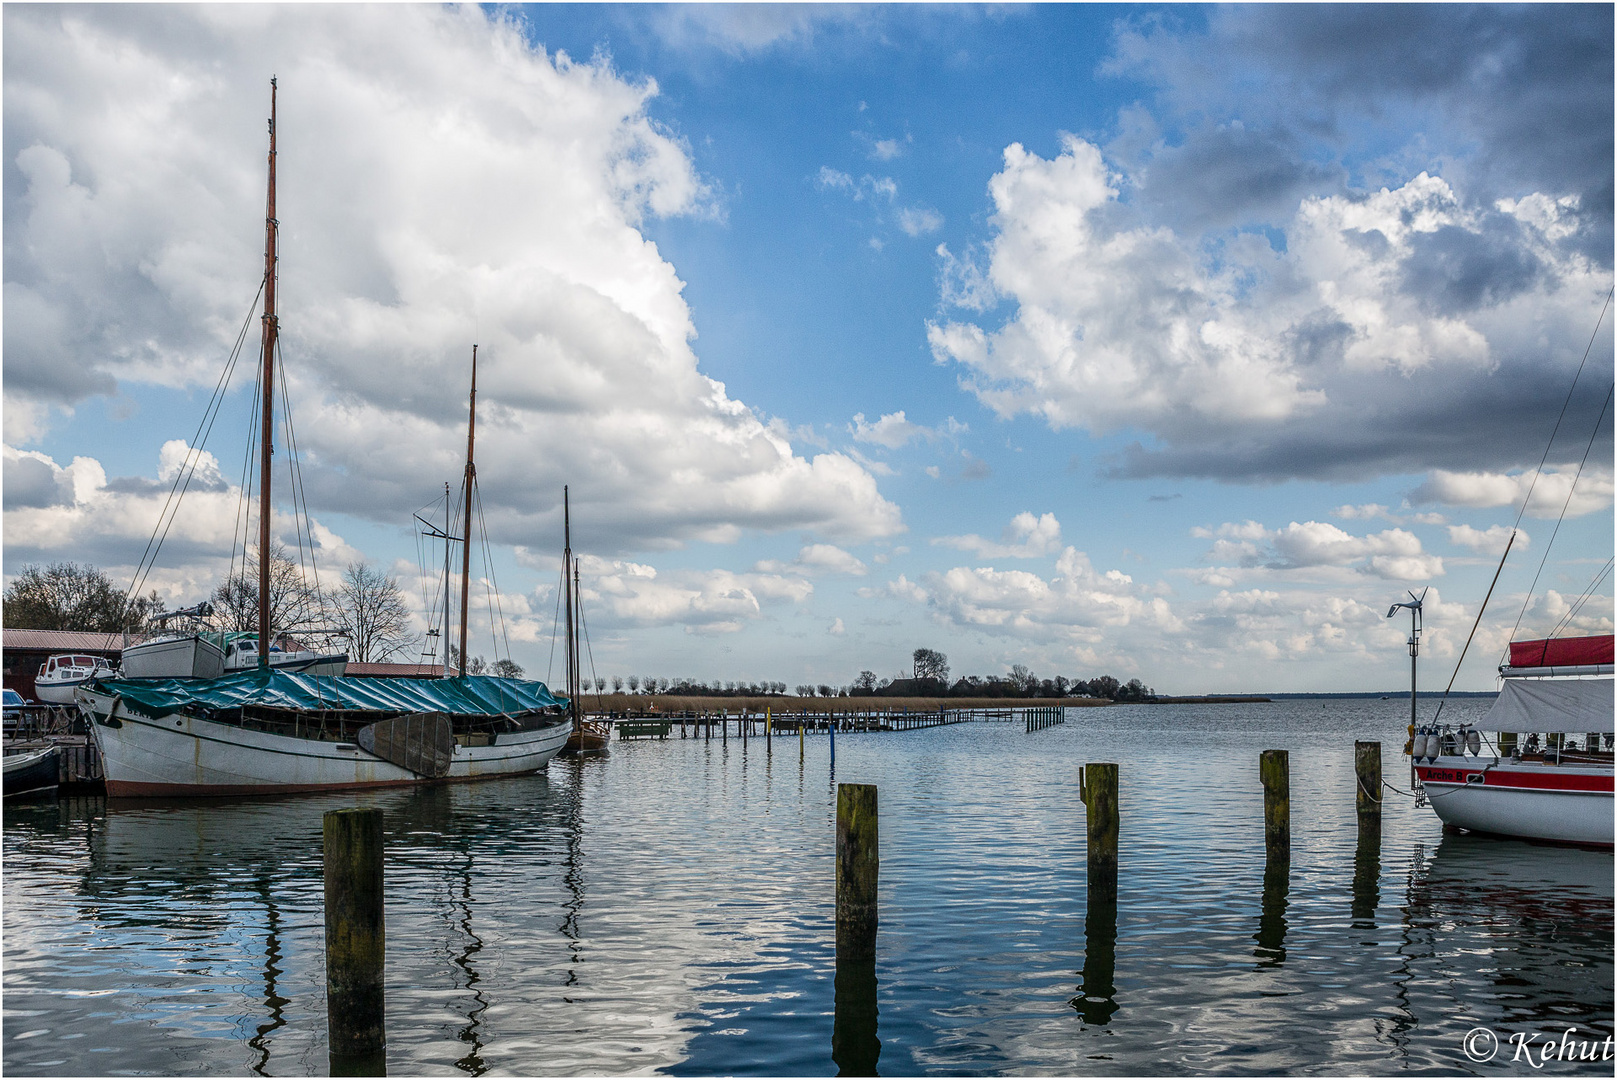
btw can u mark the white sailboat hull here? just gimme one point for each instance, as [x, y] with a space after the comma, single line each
[174, 658]
[1566, 804]
[183, 755]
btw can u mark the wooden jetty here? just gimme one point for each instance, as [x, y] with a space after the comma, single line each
[744, 723]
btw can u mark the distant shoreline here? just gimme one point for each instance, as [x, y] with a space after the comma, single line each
[787, 706]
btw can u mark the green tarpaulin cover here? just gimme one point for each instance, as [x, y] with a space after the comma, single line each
[475, 695]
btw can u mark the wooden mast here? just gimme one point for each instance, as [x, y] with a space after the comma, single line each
[267, 434]
[567, 578]
[466, 524]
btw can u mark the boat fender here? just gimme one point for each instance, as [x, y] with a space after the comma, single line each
[1420, 745]
[111, 720]
[1473, 742]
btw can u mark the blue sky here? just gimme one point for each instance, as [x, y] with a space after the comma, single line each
[1167, 342]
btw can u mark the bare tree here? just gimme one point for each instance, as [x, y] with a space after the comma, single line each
[634, 683]
[507, 669]
[66, 596]
[295, 603]
[373, 616]
[931, 664]
[617, 684]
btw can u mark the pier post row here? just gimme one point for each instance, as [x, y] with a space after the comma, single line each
[1097, 788]
[1274, 769]
[356, 937]
[858, 868]
[1367, 771]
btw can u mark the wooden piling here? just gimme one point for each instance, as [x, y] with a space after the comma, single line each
[356, 935]
[858, 867]
[1097, 787]
[1367, 770]
[1274, 769]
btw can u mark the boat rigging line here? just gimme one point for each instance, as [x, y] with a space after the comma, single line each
[193, 458]
[1583, 598]
[1527, 500]
[1564, 505]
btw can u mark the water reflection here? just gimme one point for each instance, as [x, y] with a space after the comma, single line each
[854, 1045]
[461, 904]
[1097, 993]
[274, 1003]
[670, 909]
[1367, 875]
[1271, 935]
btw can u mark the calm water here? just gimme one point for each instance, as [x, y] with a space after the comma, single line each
[670, 909]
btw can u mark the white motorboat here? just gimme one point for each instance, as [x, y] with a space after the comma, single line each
[241, 654]
[63, 673]
[1539, 765]
[175, 656]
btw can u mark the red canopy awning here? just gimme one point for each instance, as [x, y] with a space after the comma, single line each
[1562, 652]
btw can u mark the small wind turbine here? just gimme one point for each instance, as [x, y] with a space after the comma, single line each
[1414, 606]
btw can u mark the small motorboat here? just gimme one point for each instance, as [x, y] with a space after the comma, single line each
[587, 738]
[64, 673]
[241, 654]
[31, 772]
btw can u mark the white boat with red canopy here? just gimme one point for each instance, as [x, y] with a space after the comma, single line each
[1539, 765]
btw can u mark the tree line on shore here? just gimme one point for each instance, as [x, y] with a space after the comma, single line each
[929, 677]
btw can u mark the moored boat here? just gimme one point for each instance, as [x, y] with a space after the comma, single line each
[276, 732]
[31, 772]
[241, 654]
[1539, 765]
[174, 656]
[64, 673]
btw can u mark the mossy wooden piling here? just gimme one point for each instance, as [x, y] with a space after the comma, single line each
[356, 934]
[1274, 769]
[858, 869]
[1097, 788]
[1367, 770]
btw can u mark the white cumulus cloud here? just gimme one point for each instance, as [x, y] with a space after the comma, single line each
[440, 177]
[1026, 537]
[1319, 357]
[1553, 490]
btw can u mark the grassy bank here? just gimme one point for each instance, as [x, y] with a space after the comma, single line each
[786, 706]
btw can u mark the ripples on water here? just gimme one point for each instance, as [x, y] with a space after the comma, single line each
[670, 909]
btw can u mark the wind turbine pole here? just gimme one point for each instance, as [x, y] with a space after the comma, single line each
[1414, 651]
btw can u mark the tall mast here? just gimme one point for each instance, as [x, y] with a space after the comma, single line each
[466, 524]
[267, 434]
[449, 522]
[567, 588]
